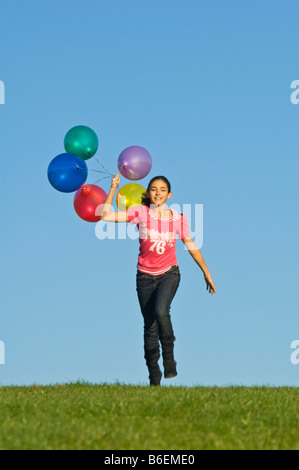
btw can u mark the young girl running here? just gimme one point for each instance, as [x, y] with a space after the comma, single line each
[158, 274]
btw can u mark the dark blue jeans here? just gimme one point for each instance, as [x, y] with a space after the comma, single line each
[155, 294]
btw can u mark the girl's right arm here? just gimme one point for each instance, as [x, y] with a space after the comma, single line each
[107, 214]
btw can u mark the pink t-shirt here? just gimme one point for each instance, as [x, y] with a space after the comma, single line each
[157, 238]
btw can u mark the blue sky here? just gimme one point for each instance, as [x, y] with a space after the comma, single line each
[204, 86]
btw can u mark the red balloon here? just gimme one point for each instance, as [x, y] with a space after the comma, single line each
[86, 201]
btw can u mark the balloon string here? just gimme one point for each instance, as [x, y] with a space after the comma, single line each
[93, 184]
[98, 171]
[110, 174]
[91, 169]
[102, 179]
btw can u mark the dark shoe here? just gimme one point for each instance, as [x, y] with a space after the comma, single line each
[169, 363]
[170, 371]
[155, 380]
[152, 357]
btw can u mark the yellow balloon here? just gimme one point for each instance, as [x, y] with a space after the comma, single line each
[130, 195]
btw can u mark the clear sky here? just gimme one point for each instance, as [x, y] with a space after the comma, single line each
[204, 86]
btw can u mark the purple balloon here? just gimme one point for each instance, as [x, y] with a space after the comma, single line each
[134, 162]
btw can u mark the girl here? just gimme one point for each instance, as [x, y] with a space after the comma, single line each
[158, 274]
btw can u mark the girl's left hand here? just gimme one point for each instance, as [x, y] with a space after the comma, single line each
[210, 284]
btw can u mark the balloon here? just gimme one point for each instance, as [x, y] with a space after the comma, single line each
[130, 195]
[86, 201]
[134, 163]
[67, 172]
[82, 141]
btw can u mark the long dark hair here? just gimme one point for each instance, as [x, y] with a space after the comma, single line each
[146, 200]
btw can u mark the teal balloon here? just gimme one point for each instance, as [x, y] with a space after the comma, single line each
[81, 141]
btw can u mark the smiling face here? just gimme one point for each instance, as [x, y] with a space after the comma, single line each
[158, 192]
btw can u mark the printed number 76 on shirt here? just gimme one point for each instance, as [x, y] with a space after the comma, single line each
[158, 246]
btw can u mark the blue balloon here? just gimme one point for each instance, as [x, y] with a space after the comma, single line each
[67, 172]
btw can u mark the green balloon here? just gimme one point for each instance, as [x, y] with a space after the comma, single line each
[82, 141]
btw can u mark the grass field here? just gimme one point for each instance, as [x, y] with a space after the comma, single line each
[125, 417]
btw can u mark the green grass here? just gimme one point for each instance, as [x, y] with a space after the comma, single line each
[125, 417]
